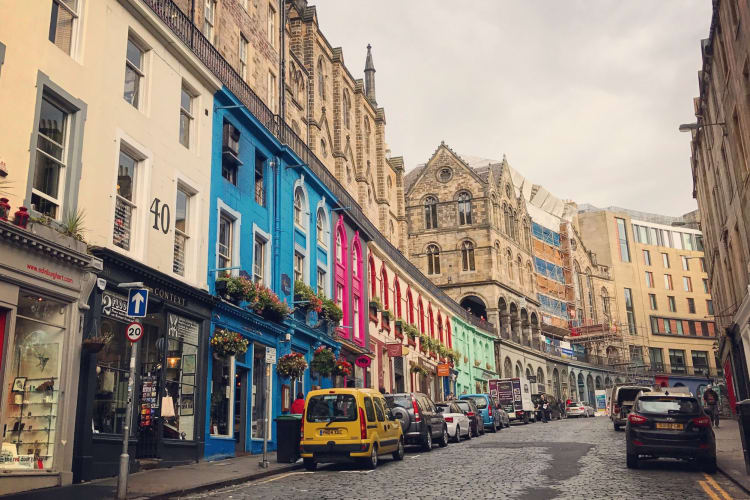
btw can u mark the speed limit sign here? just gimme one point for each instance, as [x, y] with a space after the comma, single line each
[134, 331]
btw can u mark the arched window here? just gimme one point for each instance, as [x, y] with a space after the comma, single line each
[529, 274]
[433, 259]
[464, 209]
[367, 135]
[430, 213]
[450, 334]
[467, 256]
[321, 79]
[410, 306]
[341, 288]
[506, 210]
[526, 234]
[519, 265]
[347, 109]
[321, 227]
[605, 302]
[509, 261]
[371, 264]
[431, 321]
[384, 286]
[299, 206]
[498, 256]
[590, 294]
[397, 297]
[420, 312]
[358, 302]
[513, 228]
[440, 328]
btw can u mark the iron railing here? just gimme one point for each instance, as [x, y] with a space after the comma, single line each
[180, 24]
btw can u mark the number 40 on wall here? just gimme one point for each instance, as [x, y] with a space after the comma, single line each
[161, 216]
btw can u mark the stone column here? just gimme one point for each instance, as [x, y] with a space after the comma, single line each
[515, 328]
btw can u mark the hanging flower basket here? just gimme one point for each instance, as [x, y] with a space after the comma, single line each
[330, 311]
[268, 305]
[419, 370]
[226, 343]
[363, 361]
[307, 298]
[323, 361]
[343, 368]
[291, 365]
[93, 344]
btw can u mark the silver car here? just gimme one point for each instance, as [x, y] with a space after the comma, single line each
[579, 409]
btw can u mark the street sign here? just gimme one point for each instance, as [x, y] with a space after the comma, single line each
[137, 302]
[270, 355]
[134, 331]
[443, 370]
[394, 350]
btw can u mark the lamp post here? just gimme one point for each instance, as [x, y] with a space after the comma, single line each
[689, 127]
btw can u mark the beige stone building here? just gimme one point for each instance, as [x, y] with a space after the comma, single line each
[665, 311]
[720, 164]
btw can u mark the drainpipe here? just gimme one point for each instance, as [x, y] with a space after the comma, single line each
[282, 63]
[192, 21]
[276, 278]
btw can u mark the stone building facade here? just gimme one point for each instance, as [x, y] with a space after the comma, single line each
[720, 164]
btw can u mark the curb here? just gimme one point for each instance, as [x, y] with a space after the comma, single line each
[731, 478]
[223, 483]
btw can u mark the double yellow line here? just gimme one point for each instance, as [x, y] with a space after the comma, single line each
[713, 490]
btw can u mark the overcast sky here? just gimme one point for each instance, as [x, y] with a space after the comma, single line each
[584, 97]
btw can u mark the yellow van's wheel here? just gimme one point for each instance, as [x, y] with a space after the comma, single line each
[310, 464]
[399, 453]
[372, 461]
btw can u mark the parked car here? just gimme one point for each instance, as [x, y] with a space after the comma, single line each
[552, 405]
[421, 423]
[622, 401]
[470, 410]
[669, 425]
[487, 408]
[459, 425]
[349, 425]
[503, 416]
[579, 409]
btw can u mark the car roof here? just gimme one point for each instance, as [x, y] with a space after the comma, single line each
[344, 390]
[463, 396]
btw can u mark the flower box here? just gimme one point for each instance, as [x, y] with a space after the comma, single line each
[373, 312]
[398, 330]
[412, 342]
[385, 322]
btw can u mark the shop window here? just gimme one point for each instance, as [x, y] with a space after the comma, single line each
[33, 387]
[111, 396]
[180, 378]
[221, 395]
[259, 393]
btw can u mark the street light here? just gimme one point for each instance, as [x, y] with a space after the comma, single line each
[689, 127]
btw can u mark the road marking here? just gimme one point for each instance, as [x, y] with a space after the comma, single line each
[718, 488]
[708, 490]
[416, 456]
[281, 476]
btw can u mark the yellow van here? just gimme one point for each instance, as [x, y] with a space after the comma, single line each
[341, 425]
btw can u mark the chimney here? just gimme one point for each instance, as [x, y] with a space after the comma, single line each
[370, 76]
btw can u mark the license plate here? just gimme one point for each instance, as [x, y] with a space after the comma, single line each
[329, 432]
[673, 427]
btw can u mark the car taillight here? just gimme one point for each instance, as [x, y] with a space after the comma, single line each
[581, 408]
[302, 427]
[417, 416]
[362, 424]
[449, 419]
[470, 414]
[701, 422]
[489, 410]
[617, 409]
[636, 419]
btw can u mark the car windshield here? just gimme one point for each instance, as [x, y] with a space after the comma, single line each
[443, 408]
[480, 401]
[575, 403]
[332, 407]
[403, 401]
[464, 405]
[668, 405]
[629, 394]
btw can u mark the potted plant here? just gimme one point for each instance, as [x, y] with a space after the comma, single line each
[398, 328]
[375, 303]
[94, 344]
[323, 361]
[306, 298]
[419, 370]
[330, 311]
[268, 305]
[235, 289]
[385, 320]
[292, 365]
[228, 343]
[411, 332]
[373, 309]
[342, 368]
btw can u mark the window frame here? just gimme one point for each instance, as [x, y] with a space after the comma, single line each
[271, 25]
[430, 213]
[189, 197]
[433, 259]
[464, 209]
[187, 113]
[75, 24]
[209, 22]
[622, 233]
[62, 162]
[140, 72]
[138, 167]
[467, 256]
[244, 44]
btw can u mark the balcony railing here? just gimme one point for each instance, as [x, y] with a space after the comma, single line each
[667, 369]
[191, 36]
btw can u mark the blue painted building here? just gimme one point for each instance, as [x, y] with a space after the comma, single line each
[271, 222]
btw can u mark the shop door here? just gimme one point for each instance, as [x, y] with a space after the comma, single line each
[259, 425]
[240, 410]
[398, 370]
[150, 396]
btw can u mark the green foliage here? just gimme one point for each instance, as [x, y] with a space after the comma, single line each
[226, 343]
[73, 224]
[324, 361]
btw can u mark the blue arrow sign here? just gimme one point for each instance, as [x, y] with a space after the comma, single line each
[137, 302]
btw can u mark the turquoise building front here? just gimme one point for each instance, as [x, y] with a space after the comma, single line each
[270, 223]
[476, 362]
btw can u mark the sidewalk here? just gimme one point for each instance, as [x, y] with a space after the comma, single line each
[164, 483]
[729, 456]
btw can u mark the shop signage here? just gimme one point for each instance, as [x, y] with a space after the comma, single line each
[134, 331]
[363, 361]
[487, 375]
[532, 379]
[137, 302]
[115, 306]
[270, 355]
[394, 350]
[169, 296]
[443, 370]
[183, 329]
[286, 284]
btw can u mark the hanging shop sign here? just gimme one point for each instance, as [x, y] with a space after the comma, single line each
[183, 329]
[115, 306]
[394, 350]
[363, 361]
[443, 370]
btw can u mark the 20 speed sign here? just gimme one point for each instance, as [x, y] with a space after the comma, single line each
[134, 331]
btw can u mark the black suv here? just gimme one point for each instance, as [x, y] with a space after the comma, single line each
[470, 410]
[420, 420]
[661, 424]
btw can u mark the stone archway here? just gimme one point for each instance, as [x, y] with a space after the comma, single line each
[515, 323]
[581, 387]
[536, 332]
[519, 370]
[598, 383]
[525, 328]
[618, 380]
[504, 318]
[556, 383]
[529, 372]
[475, 306]
[573, 386]
[507, 368]
[540, 379]
[590, 390]
[608, 382]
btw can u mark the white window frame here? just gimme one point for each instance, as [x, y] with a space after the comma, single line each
[271, 25]
[266, 237]
[230, 417]
[324, 286]
[323, 244]
[236, 217]
[209, 19]
[299, 258]
[272, 83]
[144, 156]
[75, 24]
[63, 161]
[192, 225]
[188, 113]
[141, 72]
[244, 44]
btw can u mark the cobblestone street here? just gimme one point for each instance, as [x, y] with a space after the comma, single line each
[563, 459]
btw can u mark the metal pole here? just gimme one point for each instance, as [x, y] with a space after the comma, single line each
[122, 479]
[264, 463]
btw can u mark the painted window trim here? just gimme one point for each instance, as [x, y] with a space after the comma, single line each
[257, 231]
[340, 272]
[305, 216]
[325, 245]
[236, 230]
[299, 249]
[194, 223]
[357, 290]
